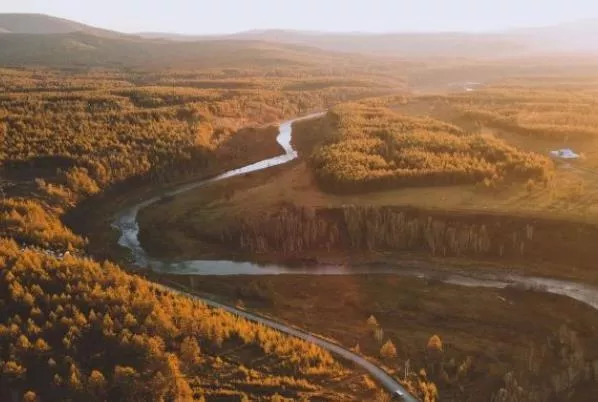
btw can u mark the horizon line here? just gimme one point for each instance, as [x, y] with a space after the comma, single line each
[315, 31]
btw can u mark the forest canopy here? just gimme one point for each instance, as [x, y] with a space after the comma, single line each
[76, 329]
[542, 112]
[369, 147]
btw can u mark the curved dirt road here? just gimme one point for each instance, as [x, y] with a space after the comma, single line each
[383, 378]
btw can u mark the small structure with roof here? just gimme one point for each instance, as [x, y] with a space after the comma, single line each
[565, 153]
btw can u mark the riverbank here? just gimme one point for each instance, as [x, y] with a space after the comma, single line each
[225, 220]
[93, 217]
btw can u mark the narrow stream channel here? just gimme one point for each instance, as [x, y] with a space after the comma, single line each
[128, 226]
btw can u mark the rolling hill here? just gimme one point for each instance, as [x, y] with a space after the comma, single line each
[411, 45]
[569, 37]
[85, 49]
[572, 36]
[41, 24]
[398, 44]
[27, 39]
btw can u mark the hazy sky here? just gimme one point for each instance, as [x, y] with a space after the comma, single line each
[225, 16]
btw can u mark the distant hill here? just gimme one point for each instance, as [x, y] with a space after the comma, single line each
[27, 39]
[84, 49]
[36, 39]
[573, 36]
[398, 44]
[392, 44]
[570, 37]
[44, 24]
[180, 37]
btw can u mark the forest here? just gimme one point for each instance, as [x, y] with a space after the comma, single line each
[77, 329]
[99, 129]
[545, 109]
[374, 148]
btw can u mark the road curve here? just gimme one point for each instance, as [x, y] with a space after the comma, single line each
[128, 225]
[385, 379]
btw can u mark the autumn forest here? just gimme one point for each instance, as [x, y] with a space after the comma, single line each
[421, 224]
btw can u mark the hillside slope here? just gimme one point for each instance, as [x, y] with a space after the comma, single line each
[569, 37]
[84, 49]
[390, 44]
[45, 24]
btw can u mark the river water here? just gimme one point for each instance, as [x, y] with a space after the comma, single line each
[127, 224]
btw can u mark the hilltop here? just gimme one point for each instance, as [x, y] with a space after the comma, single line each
[85, 49]
[573, 37]
[41, 24]
[41, 40]
[391, 44]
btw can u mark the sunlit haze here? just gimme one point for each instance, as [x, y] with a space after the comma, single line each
[228, 16]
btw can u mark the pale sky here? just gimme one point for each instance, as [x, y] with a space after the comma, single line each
[228, 16]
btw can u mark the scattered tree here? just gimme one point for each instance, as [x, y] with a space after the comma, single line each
[388, 350]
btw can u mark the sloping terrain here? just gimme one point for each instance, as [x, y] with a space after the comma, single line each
[570, 37]
[391, 44]
[85, 49]
[45, 24]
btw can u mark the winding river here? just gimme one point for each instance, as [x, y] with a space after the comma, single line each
[128, 226]
[126, 222]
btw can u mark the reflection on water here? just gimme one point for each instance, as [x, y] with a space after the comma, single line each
[127, 224]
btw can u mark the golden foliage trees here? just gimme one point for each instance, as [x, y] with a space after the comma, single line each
[72, 327]
[547, 113]
[84, 133]
[372, 322]
[434, 344]
[31, 222]
[388, 350]
[372, 148]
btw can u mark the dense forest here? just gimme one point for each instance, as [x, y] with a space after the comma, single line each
[76, 329]
[100, 129]
[554, 109]
[372, 148]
